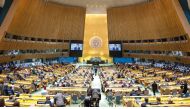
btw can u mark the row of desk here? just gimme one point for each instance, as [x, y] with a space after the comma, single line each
[28, 100]
[136, 101]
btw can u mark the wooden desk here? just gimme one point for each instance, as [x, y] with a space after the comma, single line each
[184, 78]
[26, 101]
[167, 83]
[53, 90]
[171, 88]
[170, 105]
[122, 89]
[164, 100]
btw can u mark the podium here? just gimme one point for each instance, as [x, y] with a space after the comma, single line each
[95, 61]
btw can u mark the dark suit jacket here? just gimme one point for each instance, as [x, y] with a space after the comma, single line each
[154, 87]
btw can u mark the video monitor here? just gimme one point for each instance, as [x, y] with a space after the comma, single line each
[115, 49]
[76, 48]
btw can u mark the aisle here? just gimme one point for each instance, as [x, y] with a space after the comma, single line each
[97, 84]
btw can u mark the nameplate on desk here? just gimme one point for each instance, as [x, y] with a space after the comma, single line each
[154, 103]
[41, 102]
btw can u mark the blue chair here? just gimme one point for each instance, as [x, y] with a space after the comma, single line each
[110, 98]
[44, 93]
[82, 97]
[118, 99]
[187, 95]
[75, 99]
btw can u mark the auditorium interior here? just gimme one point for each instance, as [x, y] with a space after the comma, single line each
[95, 53]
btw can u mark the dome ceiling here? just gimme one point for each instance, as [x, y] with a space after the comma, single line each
[98, 6]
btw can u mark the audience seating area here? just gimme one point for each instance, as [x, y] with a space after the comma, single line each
[133, 81]
[127, 85]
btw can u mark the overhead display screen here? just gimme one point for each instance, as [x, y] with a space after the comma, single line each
[76, 48]
[115, 47]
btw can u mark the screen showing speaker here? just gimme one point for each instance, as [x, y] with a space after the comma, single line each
[115, 49]
[76, 48]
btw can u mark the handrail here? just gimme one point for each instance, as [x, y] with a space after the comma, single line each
[113, 104]
[80, 104]
[152, 96]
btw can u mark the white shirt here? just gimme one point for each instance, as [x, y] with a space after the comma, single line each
[13, 87]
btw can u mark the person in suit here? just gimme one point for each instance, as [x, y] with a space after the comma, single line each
[185, 87]
[16, 104]
[5, 90]
[11, 99]
[95, 70]
[1, 87]
[89, 91]
[10, 91]
[158, 100]
[59, 100]
[48, 101]
[87, 102]
[96, 97]
[115, 48]
[1, 69]
[77, 47]
[133, 93]
[145, 103]
[154, 88]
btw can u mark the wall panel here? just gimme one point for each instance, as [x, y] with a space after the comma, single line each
[156, 19]
[4, 59]
[38, 18]
[8, 18]
[96, 28]
[16, 45]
